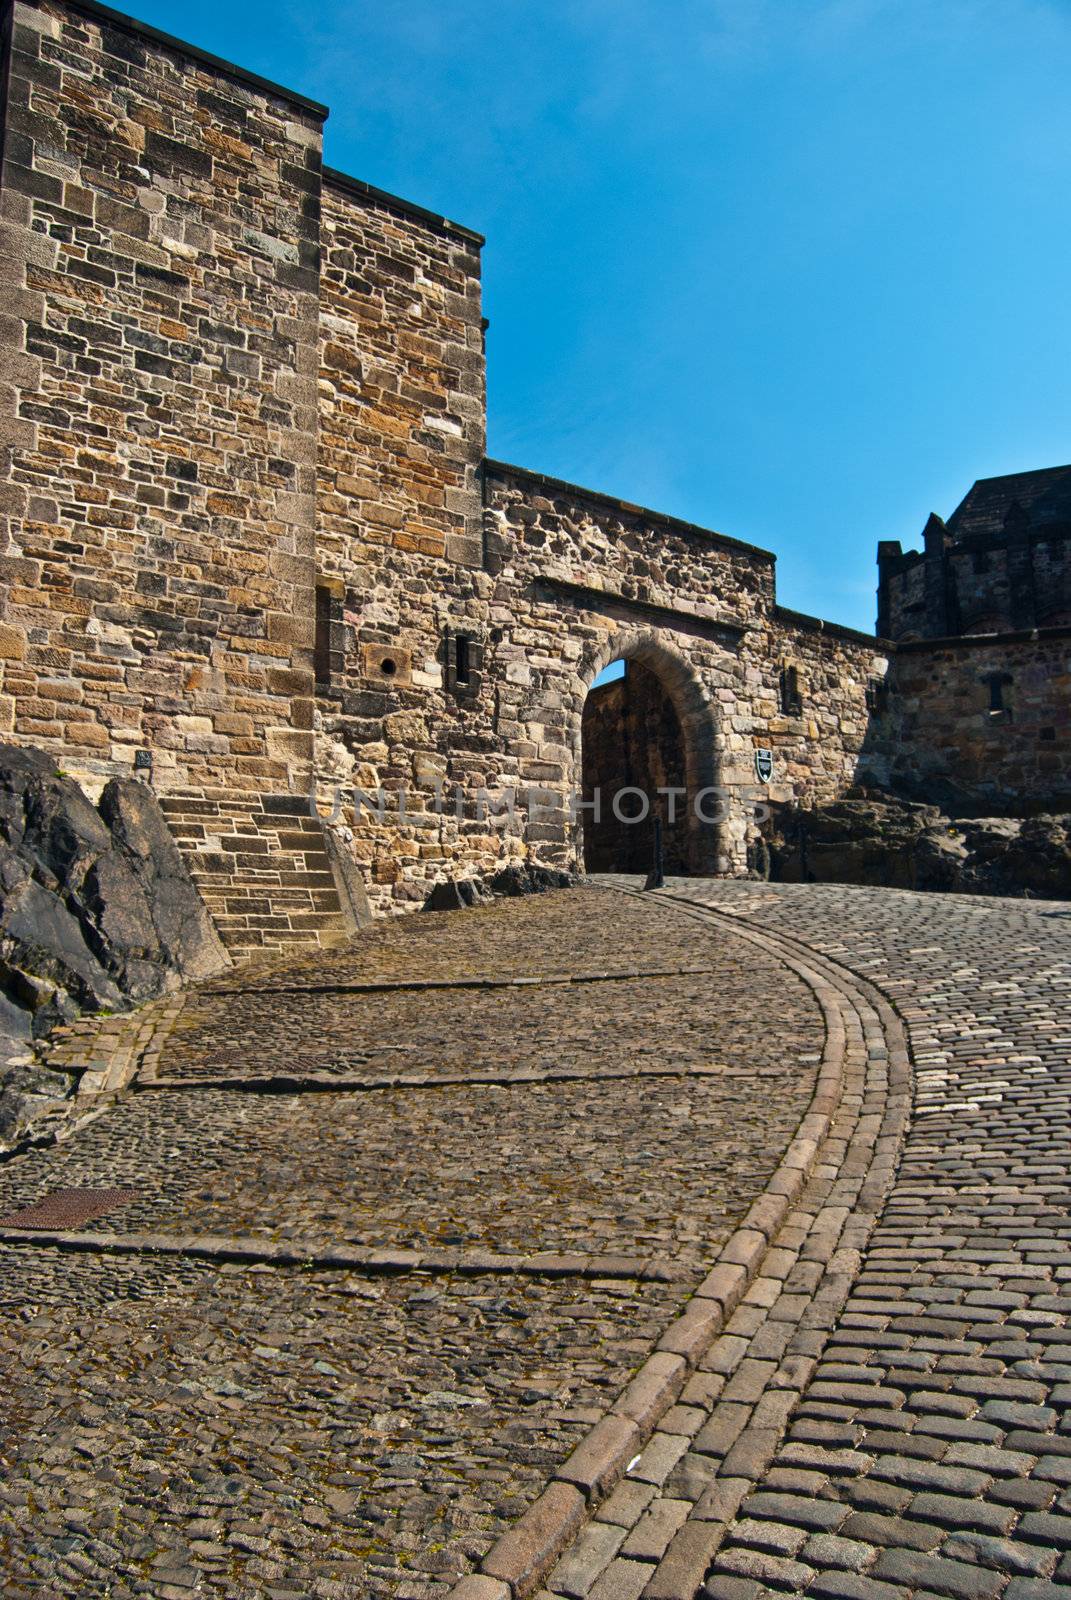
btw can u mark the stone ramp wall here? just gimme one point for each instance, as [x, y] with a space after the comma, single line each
[262, 866]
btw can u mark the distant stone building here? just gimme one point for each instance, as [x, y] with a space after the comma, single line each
[980, 694]
[252, 547]
[1000, 564]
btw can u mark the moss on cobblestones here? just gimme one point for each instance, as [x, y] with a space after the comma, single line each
[345, 1413]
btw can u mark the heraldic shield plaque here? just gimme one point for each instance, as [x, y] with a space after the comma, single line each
[764, 765]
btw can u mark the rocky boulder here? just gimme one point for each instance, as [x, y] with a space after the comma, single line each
[156, 881]
[876, 838]
[97, 910]
[455, 894]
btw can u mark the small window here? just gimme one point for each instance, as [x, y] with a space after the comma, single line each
[998, 684]
[321, 654]
[877, 696]
[791, 698]
[463, 654]
[327, 653]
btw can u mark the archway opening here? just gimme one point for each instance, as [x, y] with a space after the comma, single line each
[634, 770]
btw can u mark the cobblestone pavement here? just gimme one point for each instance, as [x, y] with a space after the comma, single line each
[555, 1166]
[362, 1303]
[924, 1372]
[497, 1032]
[518, 939]
[307, 1359]
[174, 1429]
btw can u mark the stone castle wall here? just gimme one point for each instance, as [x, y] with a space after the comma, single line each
[251, 530]
[400, 549]
[1003, 711]
[996, 584]
[491, 767]
[840, 730]
[904, 601]
[581, 579]
[160, 246]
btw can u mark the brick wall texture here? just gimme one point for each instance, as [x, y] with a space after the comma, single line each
[250, 532]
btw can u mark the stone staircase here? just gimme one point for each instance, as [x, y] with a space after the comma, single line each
[262, 867]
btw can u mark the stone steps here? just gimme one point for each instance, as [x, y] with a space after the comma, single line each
[262, 867]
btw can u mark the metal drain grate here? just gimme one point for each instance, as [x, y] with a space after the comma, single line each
[69, 1208]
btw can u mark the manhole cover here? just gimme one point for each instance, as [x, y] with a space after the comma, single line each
[69, 1208]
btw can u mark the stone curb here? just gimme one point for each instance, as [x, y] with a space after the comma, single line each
[99, 1055]
[326, 1082]
[316, 1253]
[419, 985]
[529, 1549]
[480, 1588]
[682, 1567]
[525, 1552]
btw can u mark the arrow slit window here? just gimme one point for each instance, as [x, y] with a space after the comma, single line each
[328, 657]
[791, 698]
[464, 664]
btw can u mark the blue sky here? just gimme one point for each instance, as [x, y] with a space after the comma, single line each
[794, 269]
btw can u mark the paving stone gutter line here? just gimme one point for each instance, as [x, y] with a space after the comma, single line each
[420, 985]
[340, 1082]
[322, 1255]
[523, 1556]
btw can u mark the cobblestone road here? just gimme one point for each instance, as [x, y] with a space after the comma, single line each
[390, 1251]
[408, 1297]
[928, 1446]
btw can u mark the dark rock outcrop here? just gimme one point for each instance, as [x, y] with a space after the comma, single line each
[455, 894]
[97, 910]
[529, 878]
[877, 838]
[156, 880]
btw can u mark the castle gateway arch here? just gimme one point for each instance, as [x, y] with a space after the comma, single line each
[648, 748]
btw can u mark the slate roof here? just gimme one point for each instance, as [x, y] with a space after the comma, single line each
[1044, 495]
